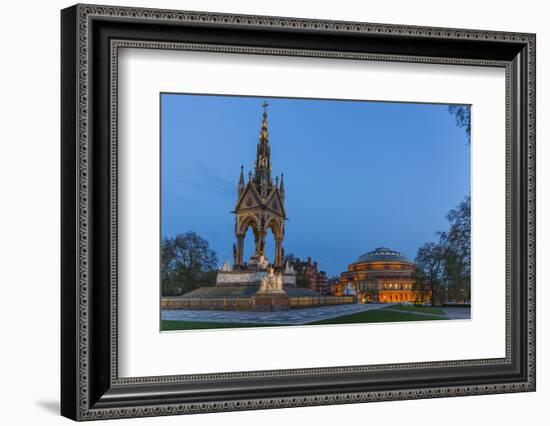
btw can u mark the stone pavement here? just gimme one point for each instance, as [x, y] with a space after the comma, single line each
[290, 317]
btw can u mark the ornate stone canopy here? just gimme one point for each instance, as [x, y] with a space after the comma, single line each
[260, 204]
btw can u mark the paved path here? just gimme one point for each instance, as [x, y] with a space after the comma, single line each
[295, 316]
[456, 313]
[290, 317]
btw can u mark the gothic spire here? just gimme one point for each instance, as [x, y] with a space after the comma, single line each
[240, 187]
[262, 175]
[282, 187]
[264, 136]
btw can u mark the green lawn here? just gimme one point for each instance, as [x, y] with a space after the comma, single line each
[376, 315]
[413, 308]
[168, 325]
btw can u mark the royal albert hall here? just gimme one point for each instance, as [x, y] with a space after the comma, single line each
[382, 276]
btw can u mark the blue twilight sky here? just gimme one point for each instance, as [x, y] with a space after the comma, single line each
[358, 175]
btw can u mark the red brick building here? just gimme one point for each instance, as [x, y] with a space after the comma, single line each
[318, 280]
[311, 272]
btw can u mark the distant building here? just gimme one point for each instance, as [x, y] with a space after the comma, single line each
[381, 276]
[322, 283]
[311, 272]
[318, 280]
[332, 285]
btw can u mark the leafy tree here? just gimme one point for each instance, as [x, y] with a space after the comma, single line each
[187, 263]
[462, 114]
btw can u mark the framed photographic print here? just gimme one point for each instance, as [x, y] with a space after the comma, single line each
[263, 212]
[242, 276]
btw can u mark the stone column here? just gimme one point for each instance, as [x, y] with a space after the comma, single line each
[278, 252]
[240, 249]
[260, 249]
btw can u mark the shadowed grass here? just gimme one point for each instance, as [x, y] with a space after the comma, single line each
[169, 325]
[376, 315]
[412, 308]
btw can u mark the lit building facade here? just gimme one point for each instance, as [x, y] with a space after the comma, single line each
[322, 283]
[382, 276]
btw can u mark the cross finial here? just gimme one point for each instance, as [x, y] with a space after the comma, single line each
[265, 105]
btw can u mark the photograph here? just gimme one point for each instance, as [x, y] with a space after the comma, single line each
[281, 211]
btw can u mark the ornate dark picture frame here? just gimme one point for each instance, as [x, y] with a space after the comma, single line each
[90, 386]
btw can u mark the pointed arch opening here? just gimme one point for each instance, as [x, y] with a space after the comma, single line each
[270, 246]
[247, 238]
[275, 228]
[249, 244]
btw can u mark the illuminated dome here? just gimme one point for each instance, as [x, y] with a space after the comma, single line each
[382, 276]
[382, 254]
